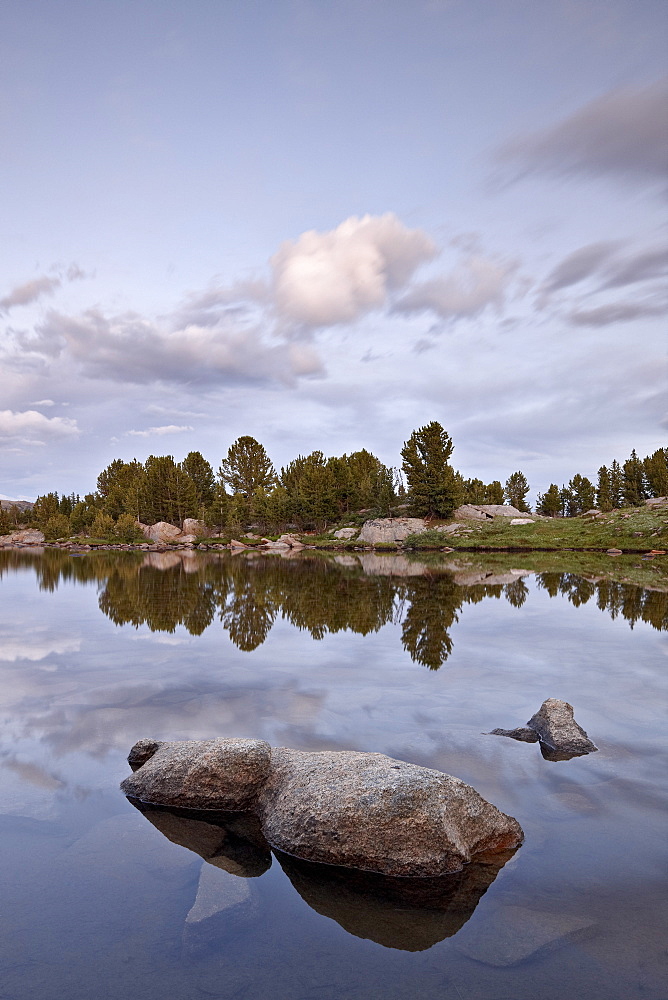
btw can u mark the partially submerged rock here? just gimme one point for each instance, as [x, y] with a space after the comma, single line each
[558, 730]
[514, 933]
[553, 724]
[368, 811]
[199, 774]
[357, 810]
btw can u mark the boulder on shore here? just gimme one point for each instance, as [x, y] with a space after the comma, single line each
[357, 810]
[553, 724]
[390, 529]
[162, 531]
[28, 536]
[191, 526]
[486, 511]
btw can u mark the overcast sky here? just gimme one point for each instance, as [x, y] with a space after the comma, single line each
[326, 224]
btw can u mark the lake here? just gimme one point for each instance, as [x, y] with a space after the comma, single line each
[417, 659]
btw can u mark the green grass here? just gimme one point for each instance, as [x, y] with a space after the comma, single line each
[633, 529]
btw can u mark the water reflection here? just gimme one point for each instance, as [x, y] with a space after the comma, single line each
[318, 594]
[409, 914]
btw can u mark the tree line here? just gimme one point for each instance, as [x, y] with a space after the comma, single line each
[314, 491]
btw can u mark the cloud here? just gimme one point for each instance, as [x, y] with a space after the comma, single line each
[615, 312]
[131, 349]
[644, 266]
[576, 267]
[30, 291]
[31, 427]
[165, 429]
[38, 288]
[322, 279]
[43, 402]
[479, 282]
[621, 134]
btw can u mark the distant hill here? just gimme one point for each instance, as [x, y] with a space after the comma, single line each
[21, 504]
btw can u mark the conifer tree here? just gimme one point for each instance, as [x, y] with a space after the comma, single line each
[603, 491]
[247, 467]
[516, 490]
[634, 489]
[549, 503]
[616, 485]
[656, 473]
[494, 492]
[432, 488]
[202, 475]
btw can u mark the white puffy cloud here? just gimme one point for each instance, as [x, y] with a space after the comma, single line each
[32, 427]
[477, 283]
[321, 279]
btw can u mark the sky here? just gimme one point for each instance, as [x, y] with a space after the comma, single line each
[326, 223]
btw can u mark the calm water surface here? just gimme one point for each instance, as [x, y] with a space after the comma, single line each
[367, 653]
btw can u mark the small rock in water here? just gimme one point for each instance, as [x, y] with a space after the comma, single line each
[223, 901]
[514, 933]
[553, 724]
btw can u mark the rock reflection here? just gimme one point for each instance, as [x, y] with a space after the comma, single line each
[409, 914]
[231, 841]
[319, 594]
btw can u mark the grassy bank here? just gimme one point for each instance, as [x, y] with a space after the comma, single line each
[632, 530]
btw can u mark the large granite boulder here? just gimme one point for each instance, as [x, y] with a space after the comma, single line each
[368, 811]
[357, 810]
[191, 526]
[561, 738]
[162, 531]
[199, 774]
[28, 536]
[486, 511]
[345, 533]
[390, 529]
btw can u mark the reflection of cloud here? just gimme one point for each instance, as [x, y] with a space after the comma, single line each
[33, 774]
[34, 647]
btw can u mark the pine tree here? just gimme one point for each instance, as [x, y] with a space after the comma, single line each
[603, 491]
[616, 485]
[432, 487]
[655, 467]
[494, 492]
[202, 475]
[634, 489]
[582, 495]
[247, 467]
[516, 490]
[549, 503]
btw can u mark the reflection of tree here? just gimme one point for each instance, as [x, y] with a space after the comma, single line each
[433, 610]
[313, 593]
[247, 617]
[516, 592]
